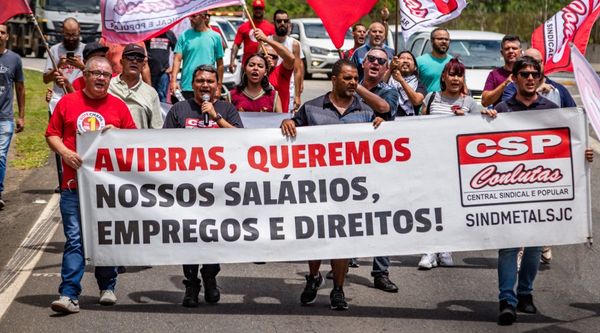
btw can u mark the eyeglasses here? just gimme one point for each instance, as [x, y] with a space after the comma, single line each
[98, 74]
[135, 57]
[525, 75]
[282, 21]
[372, 58]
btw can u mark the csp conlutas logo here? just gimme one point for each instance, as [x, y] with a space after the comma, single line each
[90, 121]
[515, 167]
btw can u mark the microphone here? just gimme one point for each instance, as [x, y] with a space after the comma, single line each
[205, 98]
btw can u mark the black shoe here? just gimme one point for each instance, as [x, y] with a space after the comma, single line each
[383, 282]
[212, 294]
[338, 299]
[1, 203]
[192, 289]
[353, 263]
[525, 304]
[309, 295]
[507, 315]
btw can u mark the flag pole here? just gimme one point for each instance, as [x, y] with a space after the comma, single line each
[262, 46]
[397, 31]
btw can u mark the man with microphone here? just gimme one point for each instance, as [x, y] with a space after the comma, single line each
[205, 110]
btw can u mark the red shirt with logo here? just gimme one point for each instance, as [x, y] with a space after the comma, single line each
[280, 79]
[76, 112]
[245, 34]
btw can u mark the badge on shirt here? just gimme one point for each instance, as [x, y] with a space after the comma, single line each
[199, 123]
[90, 121]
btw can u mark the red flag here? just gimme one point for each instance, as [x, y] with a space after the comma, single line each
[12, 8]
[339, 15]
[572, 24]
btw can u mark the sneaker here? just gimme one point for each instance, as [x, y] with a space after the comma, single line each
[546, 255]
[428, 261]
[526, 304]
[66, 305]
[2, 203]
[192, 289]
[212, 294]
[107, 297]
[507, 315]
[309, 295]
[445, 259]
[337, 299]
[383, 282]
[353, 263]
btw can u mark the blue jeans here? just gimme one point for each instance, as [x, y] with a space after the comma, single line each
[161, 86]
[380, 266]
[7, 128]
[507, 272]
[73, 262]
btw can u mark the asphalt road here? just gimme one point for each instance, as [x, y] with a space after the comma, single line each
[265, 298]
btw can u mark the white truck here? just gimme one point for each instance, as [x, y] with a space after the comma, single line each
[24, 39]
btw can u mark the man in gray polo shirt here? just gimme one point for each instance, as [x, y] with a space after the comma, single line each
[11, 73]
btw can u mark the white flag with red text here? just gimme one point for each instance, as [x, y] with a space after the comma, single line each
[572, 24]
[131, 21]
[588, 84]
[417, 15]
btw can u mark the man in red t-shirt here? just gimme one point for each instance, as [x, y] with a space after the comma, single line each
[245, 34]
[279, 76]
[90, 109]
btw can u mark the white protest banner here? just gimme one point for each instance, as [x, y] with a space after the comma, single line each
[131, 21]
[173, 196]
[416, 15]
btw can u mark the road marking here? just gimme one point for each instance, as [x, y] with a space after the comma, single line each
[22, 263]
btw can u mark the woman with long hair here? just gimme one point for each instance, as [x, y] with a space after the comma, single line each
[255, 93]
[453, 99]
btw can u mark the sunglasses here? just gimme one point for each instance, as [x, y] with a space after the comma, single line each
[135, 57]
[283, 21]
[372, 58]
[525, 75]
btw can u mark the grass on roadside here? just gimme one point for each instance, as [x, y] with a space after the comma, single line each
[31, 149]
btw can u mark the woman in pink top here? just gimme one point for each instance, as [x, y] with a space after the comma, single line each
[254, 93]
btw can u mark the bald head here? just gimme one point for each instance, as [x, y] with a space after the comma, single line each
[70, 23]
[376, 34]
[534, 53]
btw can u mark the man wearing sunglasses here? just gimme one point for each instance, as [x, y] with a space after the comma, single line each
[376, 36]
[282, 25]
[140, 97]
[197, 46]
[548, 88]
[380, 96]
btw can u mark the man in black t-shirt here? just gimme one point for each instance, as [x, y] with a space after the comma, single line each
[159, 50]
[190, 114]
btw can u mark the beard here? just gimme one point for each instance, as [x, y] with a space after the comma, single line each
[70, 45]
[281, 31]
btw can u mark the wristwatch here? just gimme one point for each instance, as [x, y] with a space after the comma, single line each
[217, 118]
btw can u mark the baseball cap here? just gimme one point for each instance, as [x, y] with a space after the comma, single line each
[134, 49]
[258, 3]
[91, 48]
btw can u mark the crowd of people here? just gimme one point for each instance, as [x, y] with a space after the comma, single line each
[102, 85]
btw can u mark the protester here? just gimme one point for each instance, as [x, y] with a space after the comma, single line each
[91, 109]
[500, 77]
[377, 94]
[255, 93]
[93, 49]
[451, 99]
[279, 75]
[340, 106]
[245, 34]
[404, 76]
[359, 32]
[140, 97]
[11, 74]
[190, 114]
[376, 36]
[159, 60]
[282, 28]
[430, 65]
[197, 46]
[527, 74]
[115, 50]
[551, 90]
